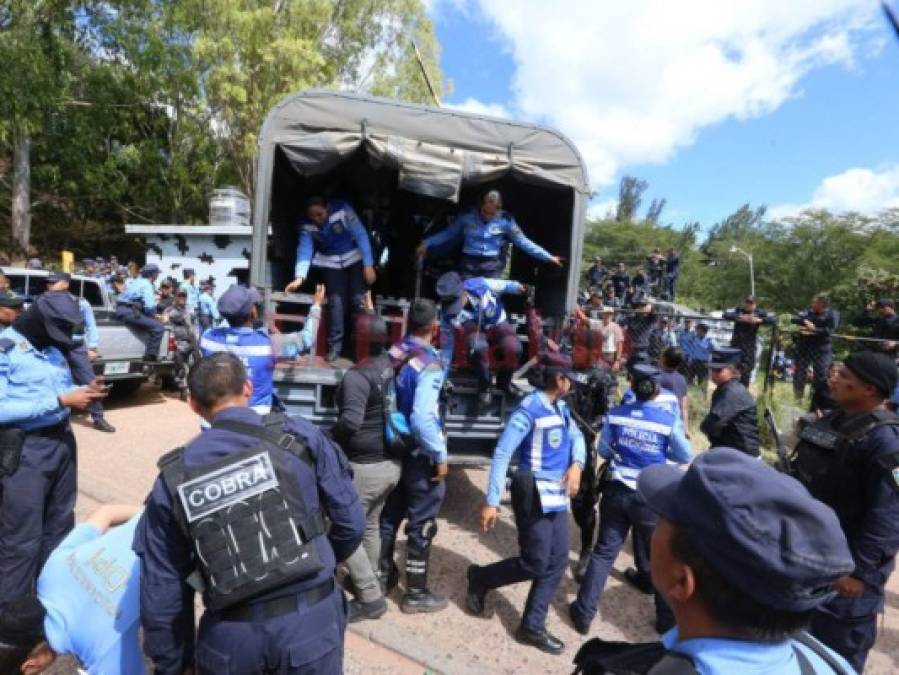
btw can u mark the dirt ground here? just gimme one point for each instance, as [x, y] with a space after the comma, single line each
[120, 467]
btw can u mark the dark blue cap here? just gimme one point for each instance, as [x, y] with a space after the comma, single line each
[237, 301]
[724, 357]
[646, 371]
[450, 289]
[556, 363]
[150, 268]
[758, 528]
[88, 261]
[57, 275]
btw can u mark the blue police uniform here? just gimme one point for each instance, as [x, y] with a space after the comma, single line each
[665, 400]
[542, 435]
[38, 500]
[814, 349]
[417, 497]
[484, 243]
[482, 315]
[136, 307]
[81, 366]
[207, 311]
[193, 294]
[259, 351]
[300, 633]
[634, 436]
[340, 247]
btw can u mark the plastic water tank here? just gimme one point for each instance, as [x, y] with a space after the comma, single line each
[229, 206]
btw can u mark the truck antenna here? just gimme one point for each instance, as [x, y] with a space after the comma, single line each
[424, 72]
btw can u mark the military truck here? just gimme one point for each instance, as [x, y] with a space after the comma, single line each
[407, 170]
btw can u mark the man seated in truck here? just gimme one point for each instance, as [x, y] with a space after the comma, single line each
[334, 240]
[474, 304]
[136, 307]
[484, 233]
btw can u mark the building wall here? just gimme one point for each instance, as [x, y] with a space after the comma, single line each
[218, 256]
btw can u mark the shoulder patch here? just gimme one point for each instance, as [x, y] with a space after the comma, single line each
[6, 344]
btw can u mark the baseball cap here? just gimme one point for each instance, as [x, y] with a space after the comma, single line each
[758, 528]
[556, 363]
[237, 301]
[646, 371]
[150, 268]
[57, 275]
[451, 291]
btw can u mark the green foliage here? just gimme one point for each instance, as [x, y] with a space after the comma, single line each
[139, 108]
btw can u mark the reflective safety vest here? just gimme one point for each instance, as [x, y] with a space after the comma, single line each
[254, 349]
[546, 449]
[483, 306]
[641, 433]
[249, 526]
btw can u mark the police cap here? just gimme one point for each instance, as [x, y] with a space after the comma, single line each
[150, 268]
[725, 357]
[451, 291]
[646, 371]
[237, 301]
[555, 363]
[875, 368]
[883, 303]
[758, 528]
[57, 275]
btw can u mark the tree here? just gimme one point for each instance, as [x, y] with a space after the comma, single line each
[251, 54]
[630, 196]
[655, 209]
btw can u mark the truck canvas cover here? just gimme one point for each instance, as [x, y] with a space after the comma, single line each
[436, 153]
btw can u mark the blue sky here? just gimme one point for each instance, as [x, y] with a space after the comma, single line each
[825, 134]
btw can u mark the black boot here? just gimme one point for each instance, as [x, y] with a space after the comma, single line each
[417, 598]
[388, 572]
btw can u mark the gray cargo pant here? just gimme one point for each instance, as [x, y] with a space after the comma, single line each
[374, 482]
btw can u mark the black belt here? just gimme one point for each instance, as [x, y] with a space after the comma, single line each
[270, 609]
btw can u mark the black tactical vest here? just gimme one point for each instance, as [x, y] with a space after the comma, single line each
[250, 529]
[827, 462]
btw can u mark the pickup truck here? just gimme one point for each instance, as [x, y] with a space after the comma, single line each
[121, 350]
[408, 169]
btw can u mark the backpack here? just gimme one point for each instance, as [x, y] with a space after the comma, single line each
[398, 436]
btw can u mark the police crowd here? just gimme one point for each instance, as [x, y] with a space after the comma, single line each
[751, 570]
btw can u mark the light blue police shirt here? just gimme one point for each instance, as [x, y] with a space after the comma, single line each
[718, 656]
[31, 382]
[90, 587]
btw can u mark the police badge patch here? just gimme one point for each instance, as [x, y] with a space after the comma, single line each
[554, 437]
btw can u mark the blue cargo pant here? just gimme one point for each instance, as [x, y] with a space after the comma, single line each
[306, 642]
[543, 556]
[417, 498]
[344, 288]
[620, 509]
[83, 374]
[38, 507]
[849, 626]
[148, 324]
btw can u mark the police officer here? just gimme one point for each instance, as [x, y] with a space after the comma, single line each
[136, 307]
[255, 347]
[849, 459]
[639, 324]
[743, 582]
[884, 325]
[597, 274]
[189, 286]
[732, 420]
[621, 283]
[655, 267]
[814, 346]
[342, 251]
[551, 454]
[239, 512]
[187, 348]
[207, 312]
[747, 320]
[635, 436]
[672, 272]
[40, 485]
[484, 233]
[475, 306]
[87, 341]
[422, 489]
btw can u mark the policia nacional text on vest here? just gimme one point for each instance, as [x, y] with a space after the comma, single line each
[251, 531]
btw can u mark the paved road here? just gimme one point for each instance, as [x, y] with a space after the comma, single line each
[121, 467]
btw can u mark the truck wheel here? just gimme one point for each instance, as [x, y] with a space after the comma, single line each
[126, 387]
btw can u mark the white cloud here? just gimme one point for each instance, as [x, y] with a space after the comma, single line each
[606, 208]
[632, 82]
[473, 105]
[862, 190]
